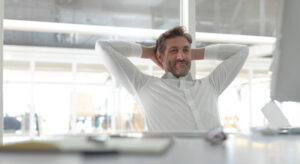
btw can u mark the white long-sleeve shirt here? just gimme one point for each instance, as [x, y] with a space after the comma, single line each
[169, 103]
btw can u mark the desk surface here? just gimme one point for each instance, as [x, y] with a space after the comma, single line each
[239, 148]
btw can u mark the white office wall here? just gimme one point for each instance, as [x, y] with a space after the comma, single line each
[1, 70]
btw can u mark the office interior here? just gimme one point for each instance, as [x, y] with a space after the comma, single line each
[53, 84]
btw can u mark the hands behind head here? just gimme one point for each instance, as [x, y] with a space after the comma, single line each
[155, 59]
[150, 53]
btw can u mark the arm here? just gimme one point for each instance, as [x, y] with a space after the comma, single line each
[149, 53]
[114, 56]
[233, 57]
[197, 53]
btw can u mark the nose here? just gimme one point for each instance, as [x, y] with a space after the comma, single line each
[180, 55]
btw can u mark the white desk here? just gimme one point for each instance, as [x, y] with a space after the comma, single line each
[253, 149]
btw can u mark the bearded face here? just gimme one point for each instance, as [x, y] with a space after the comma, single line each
[177, 56]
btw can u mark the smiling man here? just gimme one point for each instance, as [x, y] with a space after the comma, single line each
[178, 57]
[176, 101]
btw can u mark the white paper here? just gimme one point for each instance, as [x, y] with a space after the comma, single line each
[274, 115]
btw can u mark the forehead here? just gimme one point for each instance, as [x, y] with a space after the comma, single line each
[178, 41]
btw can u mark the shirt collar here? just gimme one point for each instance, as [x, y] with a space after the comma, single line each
[169, 75]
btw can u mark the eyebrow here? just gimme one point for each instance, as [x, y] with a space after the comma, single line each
[177, 47]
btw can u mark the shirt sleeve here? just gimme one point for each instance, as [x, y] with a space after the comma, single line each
[114, 56]
[233, 57]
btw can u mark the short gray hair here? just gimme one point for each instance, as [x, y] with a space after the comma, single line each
[173, 32]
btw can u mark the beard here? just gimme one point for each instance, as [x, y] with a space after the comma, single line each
[179, 67]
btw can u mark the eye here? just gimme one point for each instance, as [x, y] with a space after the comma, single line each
[174, 51]
[186, 50]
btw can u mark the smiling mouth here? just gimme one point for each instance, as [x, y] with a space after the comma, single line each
[181, 63]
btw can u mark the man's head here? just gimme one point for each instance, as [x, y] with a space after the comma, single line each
[174, 51]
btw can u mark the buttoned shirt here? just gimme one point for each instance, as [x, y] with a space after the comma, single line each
[170, 103]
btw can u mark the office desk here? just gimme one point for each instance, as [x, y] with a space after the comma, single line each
[239, 148]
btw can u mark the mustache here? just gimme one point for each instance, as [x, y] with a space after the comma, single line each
[180, 61]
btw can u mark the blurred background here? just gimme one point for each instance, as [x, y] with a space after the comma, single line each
[54, 84]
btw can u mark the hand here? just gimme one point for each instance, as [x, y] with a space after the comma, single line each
[216, 136]
[149, 53]
[197, 53]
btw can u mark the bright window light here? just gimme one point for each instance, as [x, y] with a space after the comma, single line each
[37, 26]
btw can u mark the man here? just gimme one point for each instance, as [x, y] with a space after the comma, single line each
[176, 101]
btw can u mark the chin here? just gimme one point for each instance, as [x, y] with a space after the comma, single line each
[181, 74]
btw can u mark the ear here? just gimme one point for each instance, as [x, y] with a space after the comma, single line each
[159, 57]
[160, 60]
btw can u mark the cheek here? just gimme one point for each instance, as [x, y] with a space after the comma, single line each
[166, 60]
[171, 63]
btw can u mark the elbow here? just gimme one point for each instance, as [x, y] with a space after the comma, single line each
[101, 46]
[244, 51]
[241, 50]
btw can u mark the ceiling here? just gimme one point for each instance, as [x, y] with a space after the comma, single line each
[247, 17]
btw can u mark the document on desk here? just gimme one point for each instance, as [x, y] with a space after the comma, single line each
[275, 116]
[87, 146]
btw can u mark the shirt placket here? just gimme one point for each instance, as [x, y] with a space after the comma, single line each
[190, 101]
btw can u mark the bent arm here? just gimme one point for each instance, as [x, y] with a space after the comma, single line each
[149, 53]
[197, 53]
[233, 57]
[114, 56]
